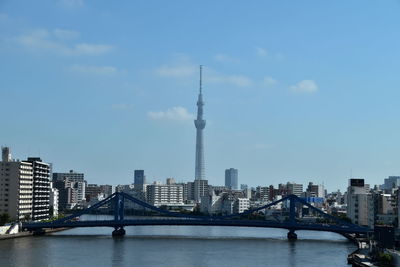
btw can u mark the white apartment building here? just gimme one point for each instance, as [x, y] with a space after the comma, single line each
[54, 201]
[295, 189]
[241, 205]
[360, 203]
[200, 189]
[16, 187]
[211, 204]
[162, 194]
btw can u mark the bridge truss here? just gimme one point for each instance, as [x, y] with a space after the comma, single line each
[264, 216]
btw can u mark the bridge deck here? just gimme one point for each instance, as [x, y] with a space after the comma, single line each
[118, 199]
[194, 222]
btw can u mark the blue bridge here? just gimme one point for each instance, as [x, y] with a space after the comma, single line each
[159, 216]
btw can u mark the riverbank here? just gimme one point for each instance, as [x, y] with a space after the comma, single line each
[360, 257]
[25, 234]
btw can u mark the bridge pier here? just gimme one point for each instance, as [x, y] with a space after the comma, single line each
[38, 232]
[291, 235]
[119, 231]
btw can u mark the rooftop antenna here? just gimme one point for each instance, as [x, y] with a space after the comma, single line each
[201, 69]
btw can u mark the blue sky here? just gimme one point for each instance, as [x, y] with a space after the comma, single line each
[294, 90]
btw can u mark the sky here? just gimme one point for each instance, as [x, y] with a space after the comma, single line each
[294, 90]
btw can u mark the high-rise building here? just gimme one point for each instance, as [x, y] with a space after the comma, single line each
[16, 187]
[390, 183]
[243, 186]
[360, 203]
[188, 191]
[314, 190]
[262, 193]
[294, 189]
[231, 178]
[139, 178]
[170, 181]
[92, 191]
[71, 186]
[5, 154]
[107, 189]
[41, 189]
[73, 176]
[200, 124]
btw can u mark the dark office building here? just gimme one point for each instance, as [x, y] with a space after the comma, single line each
[139, 179]
[231, 178]
[41, 189]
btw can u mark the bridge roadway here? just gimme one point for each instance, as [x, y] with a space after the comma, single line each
[118, 199]
[341, 229]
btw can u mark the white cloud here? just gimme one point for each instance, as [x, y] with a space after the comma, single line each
[236, 80]
[177, 71]
[269, 81]
[225, 58]
[121, 106]
[92, 49]
[184, 68]
[65, 34]
[261, 51]
[72, 3]
[94, 70]
[45, 41]
[171, 114]
[305, 86]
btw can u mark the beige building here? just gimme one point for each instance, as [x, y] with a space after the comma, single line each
[16, 187]
[162, 194]
[360, 203]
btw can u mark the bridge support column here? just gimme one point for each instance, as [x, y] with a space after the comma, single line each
[39, 232]
[291, 235]
[119, 231]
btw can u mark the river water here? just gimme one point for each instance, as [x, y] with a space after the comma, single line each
[177, 246]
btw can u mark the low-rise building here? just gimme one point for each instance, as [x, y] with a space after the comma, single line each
[54, 198]
[241, 205]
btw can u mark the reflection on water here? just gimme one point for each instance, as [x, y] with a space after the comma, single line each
[177, 246]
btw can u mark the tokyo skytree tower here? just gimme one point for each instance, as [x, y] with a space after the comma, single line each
[200, 124]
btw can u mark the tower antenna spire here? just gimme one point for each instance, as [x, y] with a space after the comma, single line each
[201, 69]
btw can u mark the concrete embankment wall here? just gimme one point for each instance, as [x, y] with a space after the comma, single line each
[9, 229]
[4, 229]
[13, 232]
[396, 256]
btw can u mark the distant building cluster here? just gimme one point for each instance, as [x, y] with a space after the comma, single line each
[30, 190]
[25, 190]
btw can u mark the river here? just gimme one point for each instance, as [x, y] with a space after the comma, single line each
[176, 246]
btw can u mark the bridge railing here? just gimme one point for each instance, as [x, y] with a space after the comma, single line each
[287, 217]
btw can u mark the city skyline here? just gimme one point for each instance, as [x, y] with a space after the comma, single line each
[287, 100]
